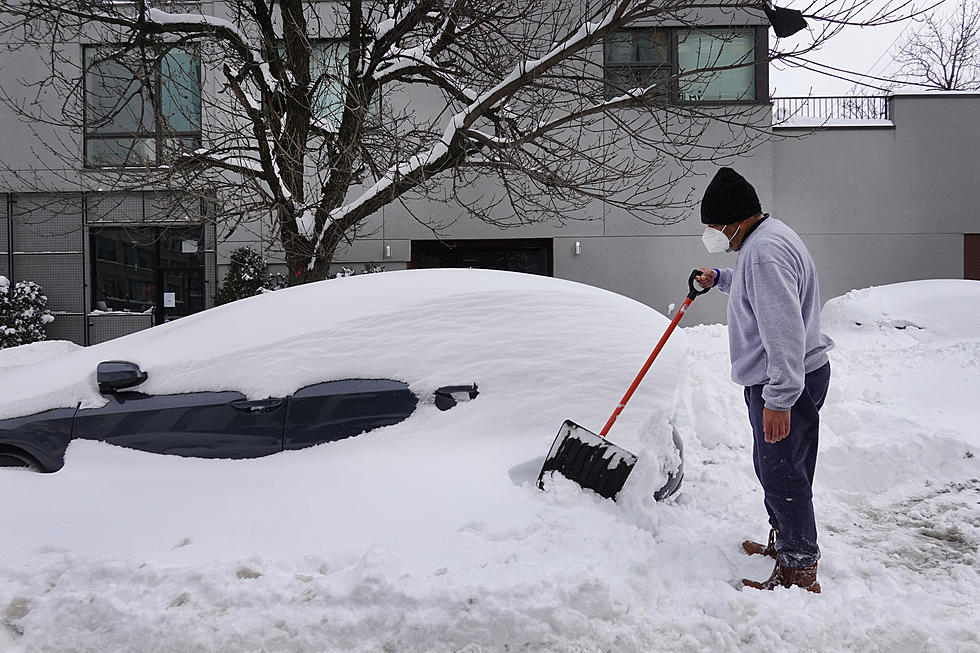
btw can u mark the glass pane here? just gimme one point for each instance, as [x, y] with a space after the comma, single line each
[182, 247]
[714, 48]
[637, 46]
[180, 84]
[120, 151]
[651, 46]
[183, 293]
[123, 270]
[171, 147]
[619, 47]
[619, 80]
[636, 58]
[114, 101]
[327, 72]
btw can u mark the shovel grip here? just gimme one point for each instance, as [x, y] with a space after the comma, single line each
[694, 292]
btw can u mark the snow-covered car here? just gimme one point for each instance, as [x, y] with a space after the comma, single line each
[326, 361]
[212, 424]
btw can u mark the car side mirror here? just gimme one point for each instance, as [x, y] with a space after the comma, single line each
[118, 375]
[449, 395]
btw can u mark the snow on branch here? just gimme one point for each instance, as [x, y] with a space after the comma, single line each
[428, 162]
[204, 23]
[161, 17]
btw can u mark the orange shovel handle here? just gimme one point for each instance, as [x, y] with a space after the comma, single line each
[660, 345]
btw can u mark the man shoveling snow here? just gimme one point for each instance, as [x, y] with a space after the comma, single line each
[779, 355]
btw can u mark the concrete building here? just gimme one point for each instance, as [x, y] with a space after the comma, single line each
[892, 196]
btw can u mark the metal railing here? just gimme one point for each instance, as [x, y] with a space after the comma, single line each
[862, 107]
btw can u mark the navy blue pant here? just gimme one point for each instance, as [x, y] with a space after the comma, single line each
[785, 469]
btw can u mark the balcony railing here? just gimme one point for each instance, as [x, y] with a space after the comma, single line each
[814, 109]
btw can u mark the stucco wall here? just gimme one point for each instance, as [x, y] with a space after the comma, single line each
[878, 206]
[874, 206]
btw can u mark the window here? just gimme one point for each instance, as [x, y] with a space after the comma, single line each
[328, 70]
[636, 59]
[640, 57]
[140, 107]
[329, 59]
[716, 48]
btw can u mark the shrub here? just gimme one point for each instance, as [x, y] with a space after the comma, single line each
[23, 313]
[371, 267]
[248, 275]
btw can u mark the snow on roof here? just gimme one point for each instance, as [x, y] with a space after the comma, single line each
[808, 122]
[919, 91]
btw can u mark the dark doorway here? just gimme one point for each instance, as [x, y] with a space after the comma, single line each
[971, 256]
[534, 256]
[158, 270]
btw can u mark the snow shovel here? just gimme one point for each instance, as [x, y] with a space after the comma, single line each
[590, 460]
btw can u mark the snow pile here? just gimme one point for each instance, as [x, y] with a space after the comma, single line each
[430, 535]
[945, 307]
[34, 353]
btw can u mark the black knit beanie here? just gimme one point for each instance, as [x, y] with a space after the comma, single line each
[728, 198]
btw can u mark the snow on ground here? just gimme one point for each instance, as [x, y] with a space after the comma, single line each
[430, 536]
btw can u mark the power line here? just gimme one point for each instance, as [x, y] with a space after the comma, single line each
[882, 56]
[816, 66]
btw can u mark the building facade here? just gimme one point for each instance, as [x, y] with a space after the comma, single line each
[882, 194]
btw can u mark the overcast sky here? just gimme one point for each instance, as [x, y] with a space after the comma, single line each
[861, 50]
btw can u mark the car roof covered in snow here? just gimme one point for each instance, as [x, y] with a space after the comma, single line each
[425, 327]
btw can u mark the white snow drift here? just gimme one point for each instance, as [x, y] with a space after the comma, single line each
[430, 535]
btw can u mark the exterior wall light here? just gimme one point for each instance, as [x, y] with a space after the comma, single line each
[785, 22]
[578, 247]
[387, 251]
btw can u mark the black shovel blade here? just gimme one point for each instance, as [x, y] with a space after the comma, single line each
[588, 459]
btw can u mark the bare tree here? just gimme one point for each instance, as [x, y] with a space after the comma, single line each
[319, 114]
[943, 51]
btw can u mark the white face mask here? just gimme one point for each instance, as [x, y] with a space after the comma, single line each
[716, 242]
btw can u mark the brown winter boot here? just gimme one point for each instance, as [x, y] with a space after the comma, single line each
[755, 548]
[805, 577]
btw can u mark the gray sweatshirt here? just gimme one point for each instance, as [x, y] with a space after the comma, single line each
[774, 314]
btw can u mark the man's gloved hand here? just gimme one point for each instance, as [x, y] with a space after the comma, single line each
[707, 277]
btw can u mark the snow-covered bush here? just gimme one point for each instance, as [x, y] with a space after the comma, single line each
[248, 275]
[23, 313]
[371, 267]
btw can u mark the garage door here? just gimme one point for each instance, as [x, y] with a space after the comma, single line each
[534, 256]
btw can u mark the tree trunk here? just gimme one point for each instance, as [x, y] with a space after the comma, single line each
[298, 248]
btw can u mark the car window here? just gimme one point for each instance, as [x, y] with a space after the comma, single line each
[340, 409]
[202, 424]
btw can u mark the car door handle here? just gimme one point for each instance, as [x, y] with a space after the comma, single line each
[258, 406]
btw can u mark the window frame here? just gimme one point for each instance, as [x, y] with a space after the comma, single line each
[161, 132]
[760, 65]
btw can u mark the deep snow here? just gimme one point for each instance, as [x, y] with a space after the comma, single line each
[430, 536]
